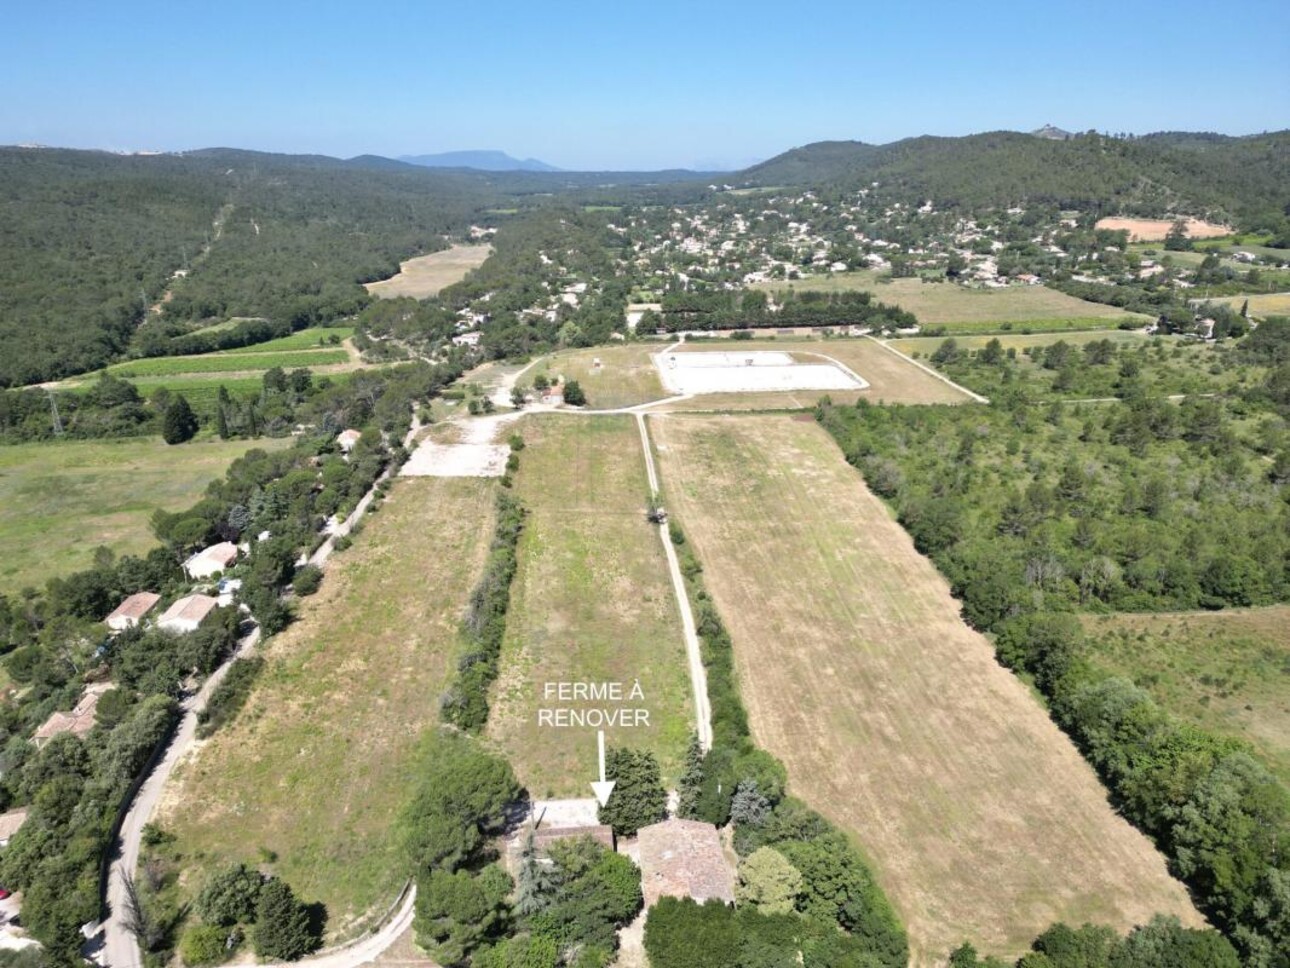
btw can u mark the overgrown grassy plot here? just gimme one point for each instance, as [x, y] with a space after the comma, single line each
[60, 501]
[317, 765]
[591, 602]
[229, 362]
[1227, 671]
[892, 716]
[625, 376]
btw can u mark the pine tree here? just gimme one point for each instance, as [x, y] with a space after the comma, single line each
[691, 780]
[748, 805]
[179, 423]
[638, 799]
[533, 881]
[282, 929]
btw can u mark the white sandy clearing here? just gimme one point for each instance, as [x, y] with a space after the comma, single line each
[749, 372]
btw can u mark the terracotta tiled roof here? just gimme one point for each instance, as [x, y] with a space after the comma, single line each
[684, 858]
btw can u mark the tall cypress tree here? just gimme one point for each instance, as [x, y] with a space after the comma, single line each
[179, 423]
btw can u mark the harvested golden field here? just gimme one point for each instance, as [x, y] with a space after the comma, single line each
[427, 274]
[1226, 671]
[892, 716]
[891, 377]
[1155, 229]
[591, 602]
[317, 765]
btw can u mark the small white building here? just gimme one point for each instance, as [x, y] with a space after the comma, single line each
[211, 561]
[346, 440]
[186, 614]
[130, 612]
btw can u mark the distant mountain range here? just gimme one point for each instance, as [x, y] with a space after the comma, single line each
[479, 160]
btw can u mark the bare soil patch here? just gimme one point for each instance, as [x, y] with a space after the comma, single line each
[425, 275]
[892, 716]
[1155, 229]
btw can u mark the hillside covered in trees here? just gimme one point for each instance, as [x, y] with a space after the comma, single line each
[1245, 179]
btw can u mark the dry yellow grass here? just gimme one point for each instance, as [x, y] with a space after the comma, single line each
[1261, 305]
[591, 602]
[892, 716]
[1155, 229]
[427, 274]
[318, 763]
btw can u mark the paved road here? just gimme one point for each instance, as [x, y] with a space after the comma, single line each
[120, 949]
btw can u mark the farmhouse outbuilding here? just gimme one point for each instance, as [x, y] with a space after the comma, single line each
[130, 612]
[684, 858]
[211, 561]
[346, 440]
[187, 613]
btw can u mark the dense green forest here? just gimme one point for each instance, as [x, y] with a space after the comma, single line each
[1246, 179]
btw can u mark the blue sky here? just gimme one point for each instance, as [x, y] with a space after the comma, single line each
[626, 85]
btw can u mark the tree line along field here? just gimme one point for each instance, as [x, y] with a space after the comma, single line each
[892, 716]
[60, 501]
[321, 759]
[1228, 672]
[591, 602]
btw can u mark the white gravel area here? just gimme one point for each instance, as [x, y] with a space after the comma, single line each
[749, 372]
[456, 460]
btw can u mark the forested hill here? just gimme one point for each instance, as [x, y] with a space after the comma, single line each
[89, 239]
[1246, 179]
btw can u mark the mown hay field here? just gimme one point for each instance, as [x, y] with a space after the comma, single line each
[591, 602]
[426, 275]
[317, 765]
[61, 500]
[892, 716]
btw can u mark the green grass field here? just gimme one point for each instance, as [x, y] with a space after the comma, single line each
[320, 761]
[60, 501]
[227, 362]
[591, 602]
[1068, 324]
[201, 392]
[1228, 672]
[305, 339]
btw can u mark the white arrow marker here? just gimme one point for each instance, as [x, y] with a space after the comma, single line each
[603, 788]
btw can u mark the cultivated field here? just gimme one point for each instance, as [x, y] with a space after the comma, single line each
[230, 362]
[891, 379]
[317, 765]
[626, 375]
[591, 602]
[305, 339]
[938, 303]
[60, 501]
[893, 717]
[1225, 671]
[1155, 229]
[425, 275]
[1268, 304]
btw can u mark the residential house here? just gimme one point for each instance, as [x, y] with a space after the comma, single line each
[130, 612]
[211, 561]
[78, 722]
[10, 823]
[187, 613]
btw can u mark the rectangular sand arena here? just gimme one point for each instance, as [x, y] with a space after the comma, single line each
[749, 371]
